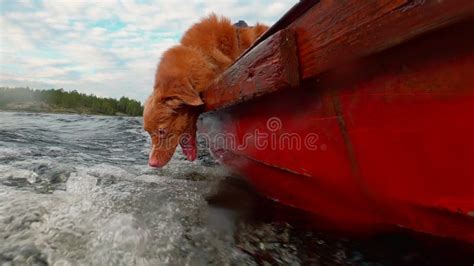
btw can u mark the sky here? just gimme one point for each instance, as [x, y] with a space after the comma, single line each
[109, 48]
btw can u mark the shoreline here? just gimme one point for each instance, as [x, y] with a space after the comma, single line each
[60, 112]
[68, 102]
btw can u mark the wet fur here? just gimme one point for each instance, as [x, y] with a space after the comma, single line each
[206, 50]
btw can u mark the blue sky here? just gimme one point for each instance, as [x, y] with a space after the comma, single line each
[110, 47]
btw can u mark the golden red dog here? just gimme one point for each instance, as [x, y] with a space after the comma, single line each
[185, 70]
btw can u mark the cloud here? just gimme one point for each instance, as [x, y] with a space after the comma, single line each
[109, 48]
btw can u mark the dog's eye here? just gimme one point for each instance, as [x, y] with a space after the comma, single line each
[161, 132]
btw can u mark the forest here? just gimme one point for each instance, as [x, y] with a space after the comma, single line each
[61, 101]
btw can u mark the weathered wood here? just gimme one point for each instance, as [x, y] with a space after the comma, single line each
[270, 66]
[334, 32]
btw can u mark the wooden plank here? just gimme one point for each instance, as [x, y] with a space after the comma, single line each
[334, 32]
[272, 65]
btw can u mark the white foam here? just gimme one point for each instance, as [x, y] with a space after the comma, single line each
[12, 153]
[10, 172]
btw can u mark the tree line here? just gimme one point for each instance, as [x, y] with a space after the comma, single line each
[71, 101]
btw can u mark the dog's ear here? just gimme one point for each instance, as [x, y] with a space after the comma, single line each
[180, 94]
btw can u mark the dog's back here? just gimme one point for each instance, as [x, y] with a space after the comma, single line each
[182, 65]
[248, 35]
[221, 41]
[216, 37]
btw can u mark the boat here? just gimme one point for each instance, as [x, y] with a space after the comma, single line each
[360, 113]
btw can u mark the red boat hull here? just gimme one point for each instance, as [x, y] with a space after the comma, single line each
[387, 140]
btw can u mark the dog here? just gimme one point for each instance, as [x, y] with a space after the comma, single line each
[170, 114]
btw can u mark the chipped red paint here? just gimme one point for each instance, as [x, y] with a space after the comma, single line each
[395, 134]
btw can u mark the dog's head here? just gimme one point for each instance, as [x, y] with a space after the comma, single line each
[170, 119]
[171, 112]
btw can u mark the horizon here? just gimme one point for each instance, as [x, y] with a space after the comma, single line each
[110, 48]
[116, 97]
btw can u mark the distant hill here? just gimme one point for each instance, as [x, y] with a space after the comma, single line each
[60, 101]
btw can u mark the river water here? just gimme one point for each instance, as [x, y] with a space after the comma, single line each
[76, 190]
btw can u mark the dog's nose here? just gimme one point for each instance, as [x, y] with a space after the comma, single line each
[153, 162]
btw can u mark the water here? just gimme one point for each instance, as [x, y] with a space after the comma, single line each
[77, 190]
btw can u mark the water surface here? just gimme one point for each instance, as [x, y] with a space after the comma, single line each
[77, 190]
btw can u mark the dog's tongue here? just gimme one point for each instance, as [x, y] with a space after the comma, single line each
[188, 145]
